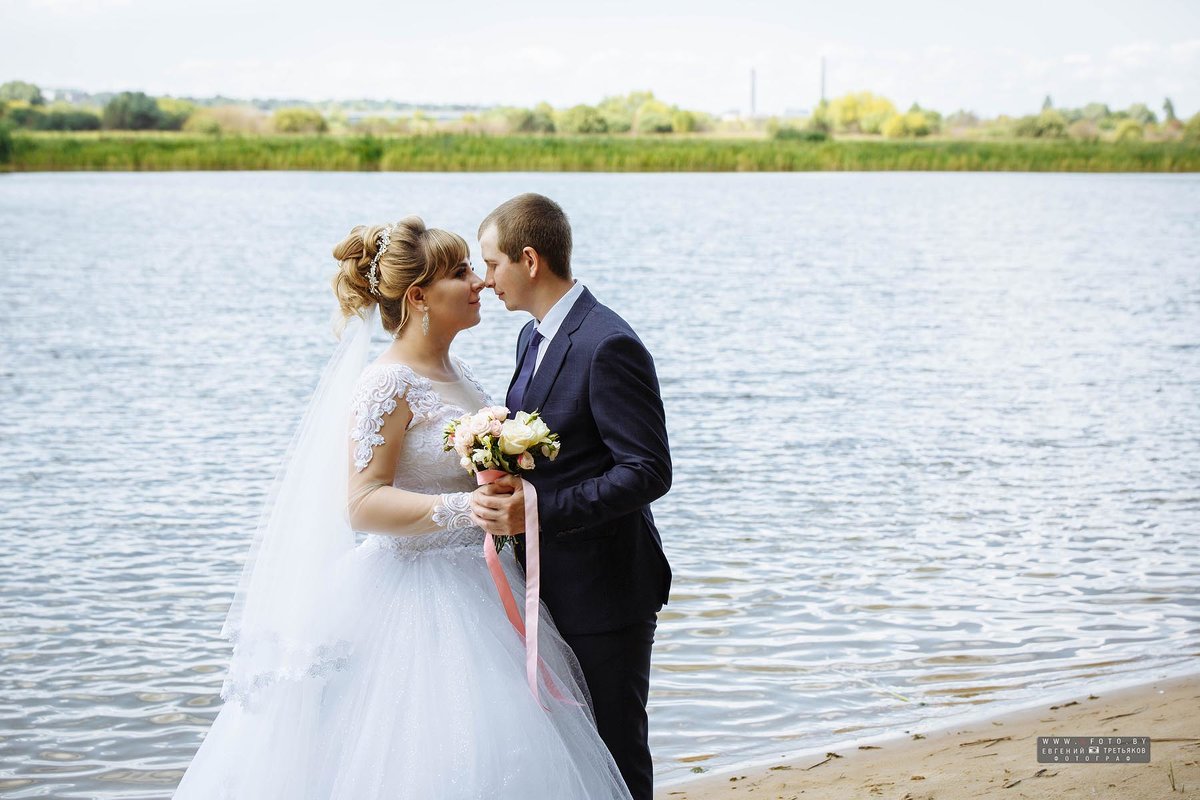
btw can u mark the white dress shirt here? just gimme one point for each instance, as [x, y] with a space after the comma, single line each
[548, 326]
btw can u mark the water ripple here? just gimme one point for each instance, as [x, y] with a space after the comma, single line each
[934, 438]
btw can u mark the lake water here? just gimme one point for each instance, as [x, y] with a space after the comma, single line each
[936, 440]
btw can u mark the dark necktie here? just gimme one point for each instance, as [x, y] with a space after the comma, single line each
[516, 395]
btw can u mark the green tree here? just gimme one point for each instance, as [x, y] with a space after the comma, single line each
[932, 121]
[1191, 131]
[582, 119]
[893, 127]
[536, 120]
[1050, 124]
[20, 90]
[299, 120]
[685, 121]
[653, 116]
[543, 118]
[174, 113]
[131, 111]
[1142, 114]
[1169, 110]
[21, 114]
[820, 119]
[69, 119]
[518, 120]
[620, 111]
[912, 123]
[203, 122]
[6, 143]
[860, 111]
[1129, 130]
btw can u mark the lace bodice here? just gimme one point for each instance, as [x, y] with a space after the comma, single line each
[422, 466]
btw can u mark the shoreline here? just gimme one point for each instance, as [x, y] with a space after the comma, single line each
[124, 151]
[994, 756]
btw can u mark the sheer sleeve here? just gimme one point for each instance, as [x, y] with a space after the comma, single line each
[389, 400]
[467, 373]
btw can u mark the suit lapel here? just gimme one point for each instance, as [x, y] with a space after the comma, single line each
[522, 350]
[552, 362]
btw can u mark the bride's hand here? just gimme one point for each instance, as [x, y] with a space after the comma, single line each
[499, 507]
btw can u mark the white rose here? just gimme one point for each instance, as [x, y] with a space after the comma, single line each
[535, 423]
[540, 429]
[499, 412]
[465, 463]
[516, 437]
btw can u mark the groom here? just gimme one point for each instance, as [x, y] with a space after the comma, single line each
[604, 574]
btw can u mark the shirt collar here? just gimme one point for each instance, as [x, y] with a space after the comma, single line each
[549, 325]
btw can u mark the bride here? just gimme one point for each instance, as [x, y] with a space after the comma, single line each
[387, 667]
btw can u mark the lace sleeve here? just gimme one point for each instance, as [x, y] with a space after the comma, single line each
[378, 390]
[453, 510]
[388, 401]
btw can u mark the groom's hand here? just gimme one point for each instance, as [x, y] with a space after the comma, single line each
[499, 507]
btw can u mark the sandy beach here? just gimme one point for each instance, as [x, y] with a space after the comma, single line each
[996, 757]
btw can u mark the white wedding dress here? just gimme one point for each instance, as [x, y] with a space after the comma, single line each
[425, 696]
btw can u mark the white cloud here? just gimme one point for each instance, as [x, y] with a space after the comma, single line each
[79, 7]
[489, 56]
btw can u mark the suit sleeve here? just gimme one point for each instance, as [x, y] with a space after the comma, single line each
[628, 410]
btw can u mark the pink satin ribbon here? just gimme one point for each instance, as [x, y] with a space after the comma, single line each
[527, 629]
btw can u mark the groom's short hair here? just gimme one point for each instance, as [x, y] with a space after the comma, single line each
[533, 220]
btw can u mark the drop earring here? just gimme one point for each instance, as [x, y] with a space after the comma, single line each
[425, 322]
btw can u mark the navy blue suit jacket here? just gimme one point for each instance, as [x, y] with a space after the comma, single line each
[603, 565]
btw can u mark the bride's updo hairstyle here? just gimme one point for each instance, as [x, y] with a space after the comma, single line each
[413, 256]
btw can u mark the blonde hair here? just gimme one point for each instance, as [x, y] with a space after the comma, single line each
[415, 256]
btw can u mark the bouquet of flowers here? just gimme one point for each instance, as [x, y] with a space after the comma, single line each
[490, 445]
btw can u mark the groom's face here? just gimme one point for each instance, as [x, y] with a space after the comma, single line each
[508, 279]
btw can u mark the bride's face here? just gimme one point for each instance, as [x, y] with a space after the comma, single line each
[454, 299]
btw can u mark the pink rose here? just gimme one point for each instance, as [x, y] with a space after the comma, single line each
[525, 460]
[463, 439]
[480, 423]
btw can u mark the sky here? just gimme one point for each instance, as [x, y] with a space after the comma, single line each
[987, 57]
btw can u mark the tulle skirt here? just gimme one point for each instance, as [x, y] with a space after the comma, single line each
[431, 700]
